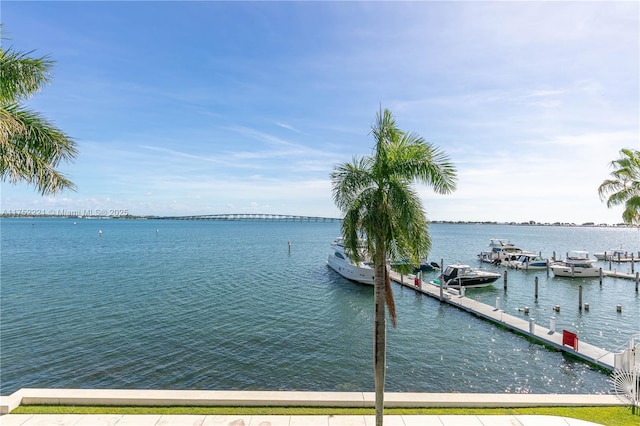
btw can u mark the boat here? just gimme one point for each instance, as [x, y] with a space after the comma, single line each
[500, 250]
[528, 261]
[457, 276]
[577, 264]
[425, 266]
[616, 255]
[360, 272]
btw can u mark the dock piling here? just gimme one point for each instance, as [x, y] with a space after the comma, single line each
[536, 281]
[505, 280]
[441, 283]
[637, 279]
[580, 298]
[526, 326]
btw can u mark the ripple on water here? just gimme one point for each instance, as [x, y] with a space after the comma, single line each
[205, 305]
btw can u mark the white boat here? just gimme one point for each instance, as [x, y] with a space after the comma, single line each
[339, 261]
[500, 250]
[528, 261]
[457, 276]
[577, 264]
[616, 255]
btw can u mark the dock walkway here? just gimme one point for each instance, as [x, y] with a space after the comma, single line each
[618, 274]
[585, 351]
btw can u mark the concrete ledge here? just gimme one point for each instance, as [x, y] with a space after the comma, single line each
[143, 397]
[492, 400]
[11, 402]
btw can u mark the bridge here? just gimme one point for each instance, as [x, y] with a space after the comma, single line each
[255, 217]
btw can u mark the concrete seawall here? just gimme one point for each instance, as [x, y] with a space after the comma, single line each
[142, 397]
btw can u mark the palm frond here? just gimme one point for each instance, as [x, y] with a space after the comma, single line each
[22, 75]
[624, 186]
[348, 180]
[31, 148]
[631, 213]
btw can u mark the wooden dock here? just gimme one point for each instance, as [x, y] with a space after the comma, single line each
[589, 353]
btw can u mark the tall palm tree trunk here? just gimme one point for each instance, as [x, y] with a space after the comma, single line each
[380, 336]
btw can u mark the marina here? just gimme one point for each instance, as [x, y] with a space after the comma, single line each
[548, 336]
[231, 305]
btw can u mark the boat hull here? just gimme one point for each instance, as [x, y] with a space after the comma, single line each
[360, 274]
[616, 257]
[533, 265]
[457, 276]
[567, 271]
[477, 282]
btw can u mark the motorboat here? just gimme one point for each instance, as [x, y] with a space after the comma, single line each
[427, 267]
[499, 250]
[528, 261]
[577, 264]
[616, 255]
[424, 266]
[339, 261]
[457, 276]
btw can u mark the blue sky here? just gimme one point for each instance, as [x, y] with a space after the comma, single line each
[246, 107]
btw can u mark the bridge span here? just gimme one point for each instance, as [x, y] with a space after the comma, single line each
[255, 217]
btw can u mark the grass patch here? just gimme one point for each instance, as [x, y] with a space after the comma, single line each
[610, 416]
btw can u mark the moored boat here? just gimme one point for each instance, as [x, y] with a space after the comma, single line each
[500, 250]
[457, 276]
[425, 266]
[616, 255]
[528, 261]
[339, 261]
[577, 264]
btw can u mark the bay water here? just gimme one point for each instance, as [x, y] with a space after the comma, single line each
[229, 305]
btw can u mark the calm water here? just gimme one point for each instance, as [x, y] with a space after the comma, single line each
[223, 305]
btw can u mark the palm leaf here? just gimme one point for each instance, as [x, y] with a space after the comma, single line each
[624, 186]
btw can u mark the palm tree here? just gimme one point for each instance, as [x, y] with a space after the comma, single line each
[30, 146]
[380, 207]
[624, 187]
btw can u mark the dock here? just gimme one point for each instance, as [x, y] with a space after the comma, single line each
[616, 274]
[579, 349]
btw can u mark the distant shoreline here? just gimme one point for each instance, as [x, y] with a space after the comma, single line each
[295, 218]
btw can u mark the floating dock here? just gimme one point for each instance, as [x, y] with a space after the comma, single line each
[616, 274]
[589, 353]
